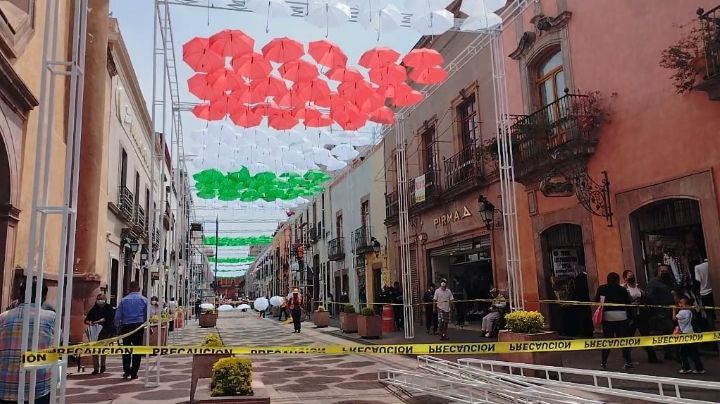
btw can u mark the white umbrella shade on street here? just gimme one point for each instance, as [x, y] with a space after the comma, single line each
[276, 300]
[261, 304]
[225, 307]
[207, 306]
[270, 8]
[477, 8]
[328, 13]
[243, 307]
[434, 23]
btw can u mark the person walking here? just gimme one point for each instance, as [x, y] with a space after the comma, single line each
[443, 299]
[396, 296]
[331, 304]
[431, 318]
[660, 293]
[615, 319]
[131, 313]
[582, 314]
[11, 324]
[638, 316]
[103, 315]
[198, 302]
[295, 305]
[688, 352]
[282, 309]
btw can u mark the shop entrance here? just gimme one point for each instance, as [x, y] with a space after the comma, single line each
[563, 259]
[670, 230]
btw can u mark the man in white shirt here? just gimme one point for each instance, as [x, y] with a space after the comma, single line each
[443, 305]
[706, 293]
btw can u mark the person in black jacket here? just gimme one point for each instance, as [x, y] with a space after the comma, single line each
[582, 314]
[101, 314]
[431, 318]
[660, 293]
[615, 321]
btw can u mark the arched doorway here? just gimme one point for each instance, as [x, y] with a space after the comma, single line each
[563, 258]
[5, 217]
[668, 229]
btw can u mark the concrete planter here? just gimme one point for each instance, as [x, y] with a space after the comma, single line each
[370, 326]
[202, 369]
[260, 395]
[155, 333]
[321, 319]
[348, 322]
[535, 358]
[208, 320]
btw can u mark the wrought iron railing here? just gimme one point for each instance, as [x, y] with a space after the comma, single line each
[362, 240]
[462, 167]
[336, 249]
[313, 235]
[156, 238]
[568, 123]
[125, 202]
[139, 218]
[432, 188]
[710, 32]
[392, 208]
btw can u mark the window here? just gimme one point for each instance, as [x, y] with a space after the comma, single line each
[147, 207]
[338, 225]
[365, 215]
[549, 79]
[17, 24]
[123, 167]
[427, 137]
[467, 121]
[137, 188]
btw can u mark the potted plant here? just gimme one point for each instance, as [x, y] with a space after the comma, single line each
[158, 330]
[232, 382]
[202, 363]
[321, 317]
[368, 324]
[208, 318]
[686, 58]
[348, 319]
[523, 326]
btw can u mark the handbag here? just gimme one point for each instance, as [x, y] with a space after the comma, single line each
[598, 314]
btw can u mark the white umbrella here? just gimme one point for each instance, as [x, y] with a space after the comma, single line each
[243, 306]
[477, 8]
[425, 6]
[276, 300]
[225, 307]
[261, 304]
[270, 8]
[344, 152]
[485, 21]
[433, 23]
[207, 306]
[328, 13]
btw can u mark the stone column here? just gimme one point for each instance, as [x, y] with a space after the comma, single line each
[91, 212]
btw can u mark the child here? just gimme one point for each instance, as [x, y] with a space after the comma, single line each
[688, 352]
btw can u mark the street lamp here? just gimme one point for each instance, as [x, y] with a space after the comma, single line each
[375, 246]
[487, 212]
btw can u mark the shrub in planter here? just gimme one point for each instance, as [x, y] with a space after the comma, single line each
[231, 377]
[321, 317]
[208, 318]
[202, 365]
[368, 324]
[528, 326]
[348, 319]
[213, 340]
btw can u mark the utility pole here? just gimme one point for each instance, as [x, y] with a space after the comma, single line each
[217, 233]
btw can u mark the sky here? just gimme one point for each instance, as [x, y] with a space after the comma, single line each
[135, 18]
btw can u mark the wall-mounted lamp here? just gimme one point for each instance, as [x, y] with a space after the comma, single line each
[375, 246]
[487, 212]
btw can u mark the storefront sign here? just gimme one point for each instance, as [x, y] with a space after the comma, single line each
[565, 261]
[557, 186]
[452, 217]
[420, 189]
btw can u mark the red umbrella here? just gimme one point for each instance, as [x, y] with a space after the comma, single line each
[243, 96]
[428, 75]
[316, 91]
[292, 99]
[348, 116]
[327, 53]
[223, 104]
[252, 65]
[378, 57]
[360, 89]
[298, 71]
[268, 87]
[344, 74]
[199, 87]
[225, 80]
[313, 118]
[332, 99]
[282, 119]
[246, 117]
[203, 111]
[405, 96]
[423, 57]
[198, 55]
[231, 42]
[388, 74]
[283, 50]
[369, 103]
[383, 115]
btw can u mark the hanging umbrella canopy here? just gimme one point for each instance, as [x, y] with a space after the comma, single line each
[199, 87]
[231, 42]
[203, 111]
[379, 16]
[282, 50]
[299, 71]
[282, 119]
[477, 8]
[312, 117]
[328, 13]
[225, 79]
[252, 65]
[436, 22]
[270, 86]
[378, 57]
[223, 104]
[360, 89]
[428, 75]
[348, 116]
[369, 103]
[480, 22]
[383, 115]
[406, 96]
[388, 74]
[245, 116]
[423, 57]
[345, 74]
[292, 99]
[316, 91]
[327, 53]
[198, 55]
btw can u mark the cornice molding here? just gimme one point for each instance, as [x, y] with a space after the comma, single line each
[14, 92]
[524, 45]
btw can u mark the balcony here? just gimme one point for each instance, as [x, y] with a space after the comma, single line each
[392, 209]
[313, 234]
[156, 239]
[432, 192]
[336, 249]
[125, 203]
[562, 132]
[139, 218]
[710, 34]
[362, 240]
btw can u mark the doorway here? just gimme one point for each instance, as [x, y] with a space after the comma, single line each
[563, 258]
[114, 274]
[6, 236]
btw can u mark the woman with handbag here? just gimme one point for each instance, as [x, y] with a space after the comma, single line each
[101, 314]
[614, 321]
[639, 317]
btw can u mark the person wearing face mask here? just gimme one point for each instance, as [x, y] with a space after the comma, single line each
[101, 314]
[443, 299]
[638, 316]
[660, 292]
[155, 309]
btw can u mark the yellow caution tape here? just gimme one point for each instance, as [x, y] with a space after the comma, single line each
[43, 358]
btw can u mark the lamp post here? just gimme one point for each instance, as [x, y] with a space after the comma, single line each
[487, 212]
[375, 246]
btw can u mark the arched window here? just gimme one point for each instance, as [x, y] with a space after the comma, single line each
[549, 79]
